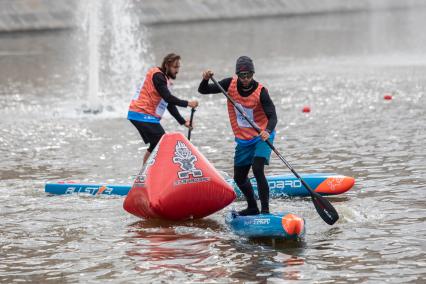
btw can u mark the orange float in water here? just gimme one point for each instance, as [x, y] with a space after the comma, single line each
[293, 224]
[306, 109]
[177, 183]
[387, 96]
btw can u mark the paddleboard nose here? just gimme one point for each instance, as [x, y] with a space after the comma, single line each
[335, 185]
[293, 224]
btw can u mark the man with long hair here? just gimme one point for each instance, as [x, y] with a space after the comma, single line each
[153, 98]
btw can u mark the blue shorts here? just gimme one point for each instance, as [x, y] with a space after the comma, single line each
[244, 154]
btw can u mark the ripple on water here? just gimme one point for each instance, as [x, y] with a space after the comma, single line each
[351, 130]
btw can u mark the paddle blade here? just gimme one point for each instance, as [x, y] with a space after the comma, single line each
[325, 209]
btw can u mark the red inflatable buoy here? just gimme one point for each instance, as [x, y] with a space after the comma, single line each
[177, 183]
[306, 109]
[387, 97]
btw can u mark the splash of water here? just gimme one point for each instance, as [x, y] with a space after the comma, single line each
[94, 104]
[118, 53]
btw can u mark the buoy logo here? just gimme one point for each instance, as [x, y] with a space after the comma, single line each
[186, 160]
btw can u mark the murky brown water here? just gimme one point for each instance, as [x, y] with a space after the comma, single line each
[341, 66]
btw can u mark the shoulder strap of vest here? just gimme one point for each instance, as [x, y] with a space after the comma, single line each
[154, 70]
[235, 81]
[259, 87]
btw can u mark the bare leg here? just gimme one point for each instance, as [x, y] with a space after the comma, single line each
[145, 158]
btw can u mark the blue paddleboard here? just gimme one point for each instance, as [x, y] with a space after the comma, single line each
[275, 225]
[280, 185]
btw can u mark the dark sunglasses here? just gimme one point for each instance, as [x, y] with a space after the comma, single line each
[245, 75]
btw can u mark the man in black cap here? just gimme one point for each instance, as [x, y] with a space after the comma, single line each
[251, 150]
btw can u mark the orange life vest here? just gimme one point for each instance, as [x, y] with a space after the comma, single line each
[252, 106]
[147, 101]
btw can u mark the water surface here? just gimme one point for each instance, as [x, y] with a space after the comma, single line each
[339, 65]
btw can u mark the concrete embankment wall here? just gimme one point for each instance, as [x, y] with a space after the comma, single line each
[23, 15]
[172, 11]
[19, 15]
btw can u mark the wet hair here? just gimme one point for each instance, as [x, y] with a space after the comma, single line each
[169, 59]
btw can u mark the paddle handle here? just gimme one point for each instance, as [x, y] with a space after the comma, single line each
[190, 123]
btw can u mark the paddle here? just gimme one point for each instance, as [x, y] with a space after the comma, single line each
[324, 208]
[190, 123]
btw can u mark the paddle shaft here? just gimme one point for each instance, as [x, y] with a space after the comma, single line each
[252, 124]
[321, 204]
[190, 123]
